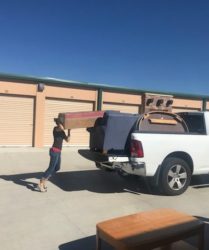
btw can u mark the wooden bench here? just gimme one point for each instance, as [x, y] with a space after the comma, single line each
[149, 230]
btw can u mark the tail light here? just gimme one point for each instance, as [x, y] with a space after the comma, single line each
[136, 149]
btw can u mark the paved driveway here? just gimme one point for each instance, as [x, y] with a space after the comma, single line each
[78, 197]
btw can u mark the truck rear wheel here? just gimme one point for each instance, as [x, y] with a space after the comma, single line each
[175, 176]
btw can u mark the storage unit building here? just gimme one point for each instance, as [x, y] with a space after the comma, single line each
[29, 104]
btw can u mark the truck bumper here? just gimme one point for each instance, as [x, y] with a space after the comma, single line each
[134, 168]
[122, 162]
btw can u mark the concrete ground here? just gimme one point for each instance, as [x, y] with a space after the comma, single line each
[78, 197]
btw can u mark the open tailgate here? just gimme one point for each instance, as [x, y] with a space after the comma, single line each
[99, 157]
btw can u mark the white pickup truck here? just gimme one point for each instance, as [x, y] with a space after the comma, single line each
[171, 158]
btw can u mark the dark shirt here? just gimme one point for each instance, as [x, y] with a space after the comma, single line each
[59, 136]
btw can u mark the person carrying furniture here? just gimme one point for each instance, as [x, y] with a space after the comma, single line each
[55, 154]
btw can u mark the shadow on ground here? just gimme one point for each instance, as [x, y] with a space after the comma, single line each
[200, 181]
[22, 179]
[92, 180]
[99, 181]
[89, 243]
[102, 181]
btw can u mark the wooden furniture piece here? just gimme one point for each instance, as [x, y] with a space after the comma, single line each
[149, 230]
[84, 119]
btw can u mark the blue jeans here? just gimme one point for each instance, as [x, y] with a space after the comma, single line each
[54, 164]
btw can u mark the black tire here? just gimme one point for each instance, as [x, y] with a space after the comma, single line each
[175, 176]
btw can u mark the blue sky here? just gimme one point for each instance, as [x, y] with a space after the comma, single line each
[145, 44]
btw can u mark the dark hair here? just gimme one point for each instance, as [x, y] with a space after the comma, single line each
[57, 121]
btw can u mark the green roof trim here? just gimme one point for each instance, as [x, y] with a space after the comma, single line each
[56, 81]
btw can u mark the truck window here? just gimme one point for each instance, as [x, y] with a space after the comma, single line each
[195, 122]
